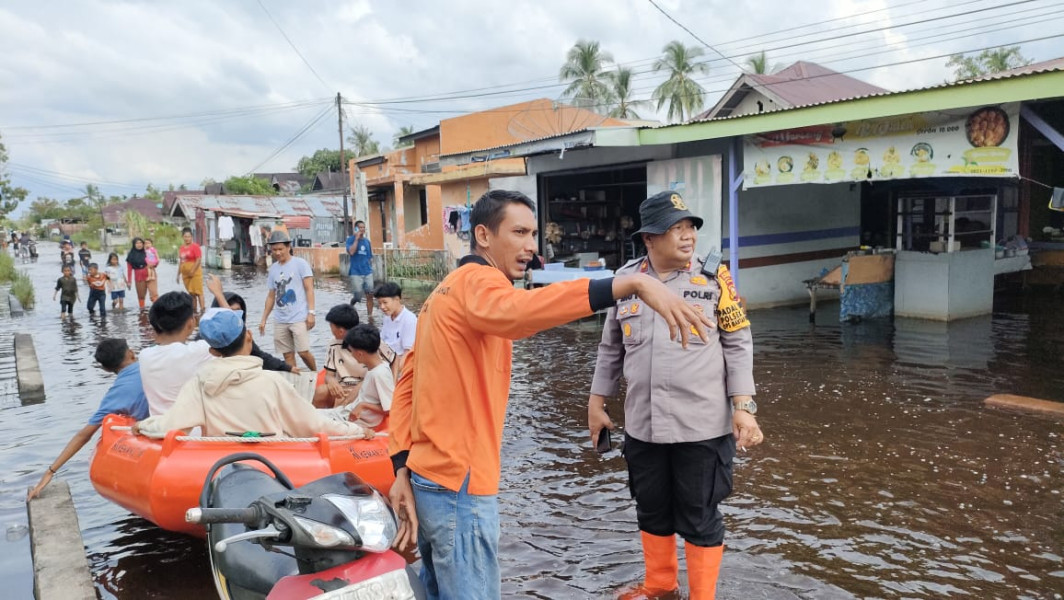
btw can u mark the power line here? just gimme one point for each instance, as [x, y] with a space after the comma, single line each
[303, 131]
[290, 43]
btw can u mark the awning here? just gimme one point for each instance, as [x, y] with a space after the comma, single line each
[243, 213]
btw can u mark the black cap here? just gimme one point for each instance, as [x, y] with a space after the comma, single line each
[663, 210]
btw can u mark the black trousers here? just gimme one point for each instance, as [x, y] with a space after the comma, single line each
[678, 487]
[97, 297]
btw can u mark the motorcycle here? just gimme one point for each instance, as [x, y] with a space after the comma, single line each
[339, 531]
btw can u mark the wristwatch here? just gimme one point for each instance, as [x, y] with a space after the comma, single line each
[748, 405]
[311, 312]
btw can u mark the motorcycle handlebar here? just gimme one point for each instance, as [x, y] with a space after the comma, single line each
[204, 516]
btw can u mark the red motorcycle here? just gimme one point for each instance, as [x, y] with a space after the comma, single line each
[329, 539]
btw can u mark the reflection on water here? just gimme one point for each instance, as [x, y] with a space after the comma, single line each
[882, 474]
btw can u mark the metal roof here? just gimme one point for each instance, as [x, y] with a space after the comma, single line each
[1031, 83]
[1050, 67]
[316, 206]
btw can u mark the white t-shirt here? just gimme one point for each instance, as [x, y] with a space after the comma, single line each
[289, 297]
[117, 275]
[164, 369]
[399, 333]
[376, 393]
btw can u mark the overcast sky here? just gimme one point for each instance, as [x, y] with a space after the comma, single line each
[125, 93]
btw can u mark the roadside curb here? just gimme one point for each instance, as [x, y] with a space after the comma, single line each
[1047, 407]
[30, 380]
[14, 305]
[60, 568]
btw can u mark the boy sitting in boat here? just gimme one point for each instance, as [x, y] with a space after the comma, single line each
[233, 394]
[374, 399]
[125, 396]
[343, 376]
[173, 359]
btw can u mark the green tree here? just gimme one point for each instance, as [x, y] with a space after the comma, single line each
[323, 160]
[10, 194]
[153, 193]
[585, 69]
[44, 208]
[249, 185]
[986, 62]
[621, 89]
[362, 142]
[683, 94]
[404, 130]
[758, 64]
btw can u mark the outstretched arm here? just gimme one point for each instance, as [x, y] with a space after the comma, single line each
[76, 443]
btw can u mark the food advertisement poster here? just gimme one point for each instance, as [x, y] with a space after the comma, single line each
[955, 143]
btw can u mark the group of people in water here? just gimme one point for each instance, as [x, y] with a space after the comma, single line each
[110, 281]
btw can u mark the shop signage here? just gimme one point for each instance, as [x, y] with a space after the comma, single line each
[979, 142]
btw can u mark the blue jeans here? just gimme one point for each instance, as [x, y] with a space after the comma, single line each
[458, 538]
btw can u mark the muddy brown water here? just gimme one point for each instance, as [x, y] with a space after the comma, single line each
[882, 475]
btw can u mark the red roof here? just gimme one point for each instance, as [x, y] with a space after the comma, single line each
[799, 84]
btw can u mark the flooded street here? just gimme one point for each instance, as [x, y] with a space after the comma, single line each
[882, 474]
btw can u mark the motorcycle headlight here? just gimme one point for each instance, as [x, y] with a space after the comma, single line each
[324, 535]
[371, 517]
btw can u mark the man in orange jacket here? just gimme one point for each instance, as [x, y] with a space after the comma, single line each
[449, 404]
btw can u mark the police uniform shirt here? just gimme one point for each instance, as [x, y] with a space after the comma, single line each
[676, 394]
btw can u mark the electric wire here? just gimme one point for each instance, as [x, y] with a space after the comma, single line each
[291, 43]
[299, 134]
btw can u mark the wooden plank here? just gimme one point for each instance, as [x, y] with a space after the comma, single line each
[1024, 403]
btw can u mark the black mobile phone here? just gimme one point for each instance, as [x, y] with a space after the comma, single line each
[604, 445]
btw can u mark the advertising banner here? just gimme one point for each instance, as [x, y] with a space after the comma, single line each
[980, 142]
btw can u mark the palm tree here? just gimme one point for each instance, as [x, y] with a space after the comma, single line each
[684, 95]
[362, 142]
[404, 130]
[758, 64]
[585, 69]
[621, 88]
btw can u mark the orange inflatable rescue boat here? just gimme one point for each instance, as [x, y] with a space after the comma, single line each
[160, 479]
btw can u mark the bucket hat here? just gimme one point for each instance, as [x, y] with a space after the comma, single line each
[661, 211]
[279, 236]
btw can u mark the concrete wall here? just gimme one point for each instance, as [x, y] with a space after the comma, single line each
[786, 233]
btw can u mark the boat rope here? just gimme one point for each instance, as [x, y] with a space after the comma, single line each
[244, 440]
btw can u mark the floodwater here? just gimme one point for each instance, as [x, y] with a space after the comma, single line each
[882, 475]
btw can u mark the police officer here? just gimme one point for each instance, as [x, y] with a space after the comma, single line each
[686, 409]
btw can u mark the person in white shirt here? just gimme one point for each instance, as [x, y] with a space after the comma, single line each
[374, 399]
[234, 395]
[166, 366]
[399, 326]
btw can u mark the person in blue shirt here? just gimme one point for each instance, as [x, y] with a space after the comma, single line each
[126, 396]
[361, 267]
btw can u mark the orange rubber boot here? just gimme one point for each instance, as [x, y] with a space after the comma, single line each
[703, 568]
[662, 567]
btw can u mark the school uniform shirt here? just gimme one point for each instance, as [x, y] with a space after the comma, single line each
[448, 409]
[677, 394]
[235, 394]
[164, 369]
[347, 370]
[289, 297]
[399, 333]
[124, 397]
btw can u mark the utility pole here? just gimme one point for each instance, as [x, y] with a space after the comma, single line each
[343, 165]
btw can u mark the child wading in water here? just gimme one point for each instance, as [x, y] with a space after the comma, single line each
[97, 289]
[116, 281]
[69, 286]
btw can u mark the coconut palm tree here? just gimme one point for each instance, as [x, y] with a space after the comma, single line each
[758, 64]
[680, 90]
[621, 88]
[585, 70]
[362, 142]
[404, 130]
